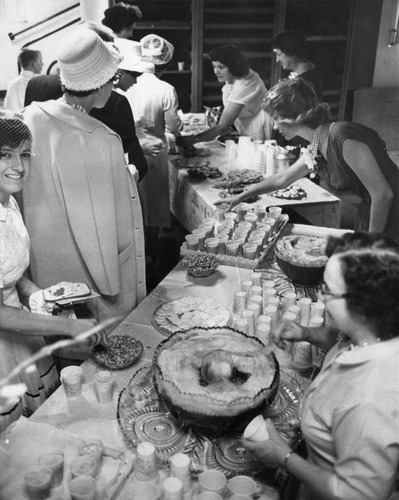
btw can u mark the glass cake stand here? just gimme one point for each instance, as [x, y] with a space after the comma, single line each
[142, 417]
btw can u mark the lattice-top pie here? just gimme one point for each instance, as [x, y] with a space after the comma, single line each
[217, 372]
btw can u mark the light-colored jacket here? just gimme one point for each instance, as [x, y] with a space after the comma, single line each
[81, 208]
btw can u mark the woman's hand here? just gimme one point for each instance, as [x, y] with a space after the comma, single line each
[288, 331]
[152, 146]
[270, 452]
[230, 202]
[79, 326]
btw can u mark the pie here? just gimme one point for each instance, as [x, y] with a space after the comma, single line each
[302, 250]
[64, 290]
[188, 312]
[122, 351]
[217, 372]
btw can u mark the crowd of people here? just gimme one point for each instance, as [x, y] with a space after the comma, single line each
[84, 194]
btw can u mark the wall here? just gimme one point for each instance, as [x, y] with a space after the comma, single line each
[386, 70]
[36, 10]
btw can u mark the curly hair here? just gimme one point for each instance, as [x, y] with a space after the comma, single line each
[232, 57]
[293, 101]
[291, 42]
[370, 267]
[120, 16]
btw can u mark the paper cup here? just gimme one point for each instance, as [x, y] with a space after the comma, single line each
[212, 480]
[38, 482]
[180, 468]
[71, 378]
[55, 461]
[83, 466]
[93, 448]
[249, 250]
[172, 489]
[143, 491]
[180, 65]
[145, 468]
[242, 485]
[83, 488]
[192, 242]
[209, 495]
[256, 430]
[104, 386]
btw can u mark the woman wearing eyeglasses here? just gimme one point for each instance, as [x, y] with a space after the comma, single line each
[81, 206]
[350, 413]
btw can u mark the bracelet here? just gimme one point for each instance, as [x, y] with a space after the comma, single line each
[284, 464]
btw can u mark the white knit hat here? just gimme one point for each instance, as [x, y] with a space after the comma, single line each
[86, 62]
[156, 49]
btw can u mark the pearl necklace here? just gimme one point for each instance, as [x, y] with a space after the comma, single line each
[363, 344]
[76, 106]
[314, 145]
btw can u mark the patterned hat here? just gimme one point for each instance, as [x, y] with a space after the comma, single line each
[86, 62]
[13, 130]
[156, 49]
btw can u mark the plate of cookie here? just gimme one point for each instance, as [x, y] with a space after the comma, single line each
[293, 192]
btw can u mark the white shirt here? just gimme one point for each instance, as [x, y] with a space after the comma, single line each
[350, 420]
[15, 95]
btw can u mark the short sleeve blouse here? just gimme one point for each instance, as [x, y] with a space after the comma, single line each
[14, 246]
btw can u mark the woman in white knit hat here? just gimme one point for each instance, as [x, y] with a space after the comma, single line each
[81, 205]
[155, 104]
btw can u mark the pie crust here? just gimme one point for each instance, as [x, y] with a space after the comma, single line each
[180, 381]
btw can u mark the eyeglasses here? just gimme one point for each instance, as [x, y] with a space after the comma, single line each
[325, 292]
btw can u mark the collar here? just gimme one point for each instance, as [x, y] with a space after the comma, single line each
[369, 353]
[61, 111]
[28, 72]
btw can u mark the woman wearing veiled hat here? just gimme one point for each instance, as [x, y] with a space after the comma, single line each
[155, 104]
[80, 204]
[21, 331]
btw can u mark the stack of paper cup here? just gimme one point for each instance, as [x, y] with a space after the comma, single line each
[145, 467]
[249, 316]
[304, 306]
[239, 302]
[172, 489]
[241, 324]
[288, 300]
[263, 333]
[180, 468]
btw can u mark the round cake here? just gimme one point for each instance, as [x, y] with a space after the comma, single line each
[215, 378]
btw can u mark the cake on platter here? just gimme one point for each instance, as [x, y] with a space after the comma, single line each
[215, 379]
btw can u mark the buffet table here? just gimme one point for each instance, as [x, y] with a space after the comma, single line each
[63, 423]
[192, 199]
